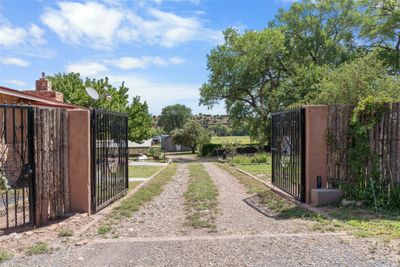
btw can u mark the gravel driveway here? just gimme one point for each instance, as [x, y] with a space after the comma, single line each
[163, 216]
[269, 250]
[156, 236]
[236, 217]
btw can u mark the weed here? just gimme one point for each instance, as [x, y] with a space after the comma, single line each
[37, 248]
[65, 232]
[104, 229]
[4, 255]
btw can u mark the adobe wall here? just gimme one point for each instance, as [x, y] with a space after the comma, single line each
[79, 160]
[316, 147]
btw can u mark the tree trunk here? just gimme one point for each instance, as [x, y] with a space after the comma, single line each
[193, 150]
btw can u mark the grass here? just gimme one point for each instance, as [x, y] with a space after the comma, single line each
[367, 222]
[4, 255]
[201, 199]
[37, 248]
[144, 194]
[143, 171]
[242, 140]
[65, 232]
[132, 185]
[257, 158]
[258, 164]
[104, 229]
[260, 169]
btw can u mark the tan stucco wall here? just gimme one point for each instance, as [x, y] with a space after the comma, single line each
[79, 159]
[316, 147]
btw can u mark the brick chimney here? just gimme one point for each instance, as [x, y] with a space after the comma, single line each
[43, 89]
[43, 84]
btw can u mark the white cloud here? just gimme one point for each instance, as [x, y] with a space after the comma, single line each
[158, 94]
[86, 68]
[104, 25]
[16, 82]
[127, 63]
[14, 61]
[91, 23]
[14, 36]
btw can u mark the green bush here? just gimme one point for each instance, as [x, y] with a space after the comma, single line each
[154, 152]
[259, 158]
[210, 149]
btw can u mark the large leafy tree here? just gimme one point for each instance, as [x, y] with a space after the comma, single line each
[191, 135]
[381, 29]
[354, 81]
[140, 121]
[73, 87]
[320, 31]
[174, 117]
[246, 72]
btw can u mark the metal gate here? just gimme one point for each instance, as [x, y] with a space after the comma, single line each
[109, 145]
[288, 152]
[16, 166]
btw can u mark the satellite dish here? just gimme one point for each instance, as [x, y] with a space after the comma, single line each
[92, 93]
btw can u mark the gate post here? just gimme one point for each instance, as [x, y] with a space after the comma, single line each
[316, 131]
[79, 160]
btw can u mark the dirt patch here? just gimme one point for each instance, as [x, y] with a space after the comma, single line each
[17, 243]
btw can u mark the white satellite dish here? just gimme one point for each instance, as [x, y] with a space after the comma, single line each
[92, 93]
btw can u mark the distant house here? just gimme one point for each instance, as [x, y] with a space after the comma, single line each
[139, 148]
[169, 146]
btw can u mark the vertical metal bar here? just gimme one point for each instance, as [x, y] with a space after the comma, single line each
[23, 141]
[126, 153]
[303, 154]
[93, 158]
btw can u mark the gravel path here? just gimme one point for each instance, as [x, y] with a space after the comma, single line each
[163, 216]
[273, 250]
[236, 217]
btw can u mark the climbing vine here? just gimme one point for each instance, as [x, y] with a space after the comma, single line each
[370, 187]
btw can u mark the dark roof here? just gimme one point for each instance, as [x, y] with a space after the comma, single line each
[37, 100]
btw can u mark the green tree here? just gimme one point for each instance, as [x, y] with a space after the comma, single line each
[140, 121]
[191, 135]
[220, 129]
[320, 32]
[245, 72]
[354, 81]
[381, 29]
[174, 117]
[73, 88]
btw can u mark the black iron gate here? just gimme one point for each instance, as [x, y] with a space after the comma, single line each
[288, 152]
[109, 145]
[16, 166]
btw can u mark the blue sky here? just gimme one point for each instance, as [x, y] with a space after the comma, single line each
[157, 47]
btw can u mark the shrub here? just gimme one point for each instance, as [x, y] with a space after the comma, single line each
[38, 248]
[104, 229]
[154, 152]
[65, 232]
[210, 149]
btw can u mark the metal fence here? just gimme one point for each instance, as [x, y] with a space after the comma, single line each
[288, 152]
[109, 145]
[16, 166]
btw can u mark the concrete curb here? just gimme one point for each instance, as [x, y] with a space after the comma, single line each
[286, 195]
[102, 213]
